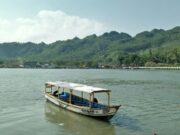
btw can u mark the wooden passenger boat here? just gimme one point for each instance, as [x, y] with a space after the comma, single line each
[63, 94]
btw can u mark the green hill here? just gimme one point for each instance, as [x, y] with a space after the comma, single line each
[149, 48]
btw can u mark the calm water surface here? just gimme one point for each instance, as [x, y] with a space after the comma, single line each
[150, 102]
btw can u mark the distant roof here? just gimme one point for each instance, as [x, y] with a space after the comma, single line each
[77, 87]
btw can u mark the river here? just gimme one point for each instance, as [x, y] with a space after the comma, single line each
[150, 102]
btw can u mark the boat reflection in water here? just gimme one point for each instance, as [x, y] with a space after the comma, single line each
[75, 123]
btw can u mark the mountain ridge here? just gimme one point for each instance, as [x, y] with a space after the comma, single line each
[111, 48]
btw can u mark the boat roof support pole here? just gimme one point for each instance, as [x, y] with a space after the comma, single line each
[45, 89]
[92, 97]
[70, 96]
[109, 98]
[82, 95]
[90, 100]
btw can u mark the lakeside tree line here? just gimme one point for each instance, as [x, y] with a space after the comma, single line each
[113, 49]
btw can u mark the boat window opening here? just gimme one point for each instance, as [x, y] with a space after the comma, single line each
[47, 90]
[101, 98]
[62, 91]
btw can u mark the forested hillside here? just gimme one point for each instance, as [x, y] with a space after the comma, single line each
[149, 48]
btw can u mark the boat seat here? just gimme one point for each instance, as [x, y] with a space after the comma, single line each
[96, 105]
[64, 96]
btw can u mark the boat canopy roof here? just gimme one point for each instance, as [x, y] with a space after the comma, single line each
[77, 87]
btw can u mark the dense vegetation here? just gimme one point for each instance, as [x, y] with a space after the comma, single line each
[155, 48]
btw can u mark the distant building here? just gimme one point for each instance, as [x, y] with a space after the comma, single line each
[46, 65]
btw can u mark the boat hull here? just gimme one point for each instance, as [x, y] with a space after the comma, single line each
[102, 114]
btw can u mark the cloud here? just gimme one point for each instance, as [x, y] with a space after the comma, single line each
[48, 26]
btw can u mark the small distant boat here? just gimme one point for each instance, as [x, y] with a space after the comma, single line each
[64, 94]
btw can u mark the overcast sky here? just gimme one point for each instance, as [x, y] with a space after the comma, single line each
[51, 20]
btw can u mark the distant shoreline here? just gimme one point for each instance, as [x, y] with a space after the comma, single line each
[123, 68]
[165, 68]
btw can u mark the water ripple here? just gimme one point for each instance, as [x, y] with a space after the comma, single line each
[126, 121]
[113, 82]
